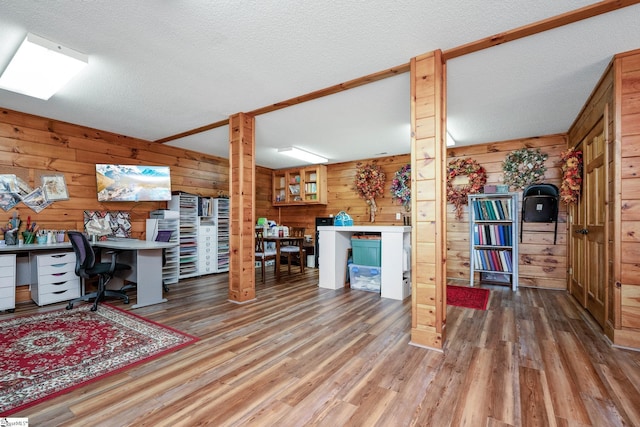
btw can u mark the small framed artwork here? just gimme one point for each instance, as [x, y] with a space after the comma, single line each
[8, 201]
[8, 183]
[36, 200]
[54, 187]
[23, 188]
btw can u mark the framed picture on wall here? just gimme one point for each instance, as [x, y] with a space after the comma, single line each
[8, 201]
[23, 188]
[8, 183]
[36, 200]
[54, 187]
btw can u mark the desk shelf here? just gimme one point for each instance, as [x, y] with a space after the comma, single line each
[171, 267]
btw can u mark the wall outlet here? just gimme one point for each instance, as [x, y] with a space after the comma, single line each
[398, 215]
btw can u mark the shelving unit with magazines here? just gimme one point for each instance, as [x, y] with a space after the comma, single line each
[493, 237]
[187, 205]
[213, 237]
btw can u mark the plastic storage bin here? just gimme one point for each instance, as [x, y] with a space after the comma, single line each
[366, 250]
[343, 219]
[365, 277]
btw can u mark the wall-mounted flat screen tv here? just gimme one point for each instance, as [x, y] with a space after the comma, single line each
[133, 183]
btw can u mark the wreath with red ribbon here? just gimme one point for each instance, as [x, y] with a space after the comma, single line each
[457, 194]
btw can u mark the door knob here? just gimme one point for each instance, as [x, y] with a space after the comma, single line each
[582, 231]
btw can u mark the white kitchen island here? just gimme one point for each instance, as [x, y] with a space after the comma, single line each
[395, 268]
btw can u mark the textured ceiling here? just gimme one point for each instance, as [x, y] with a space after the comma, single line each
[158, 68]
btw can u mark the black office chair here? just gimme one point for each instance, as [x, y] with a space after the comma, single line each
[87, 268]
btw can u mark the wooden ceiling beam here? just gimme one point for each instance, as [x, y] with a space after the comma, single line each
[194, 131]
[539, 27]
[400, 69]
[497, 39]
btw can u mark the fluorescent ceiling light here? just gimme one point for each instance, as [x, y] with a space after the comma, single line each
[40, 68]
[302, 155]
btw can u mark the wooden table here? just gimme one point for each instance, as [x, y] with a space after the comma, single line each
[290, 240]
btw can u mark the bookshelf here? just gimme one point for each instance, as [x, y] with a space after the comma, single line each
[493, 237]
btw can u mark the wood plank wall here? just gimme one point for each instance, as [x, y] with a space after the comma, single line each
[31, 146]
[341, 197]
[629, 236]
[541, 263]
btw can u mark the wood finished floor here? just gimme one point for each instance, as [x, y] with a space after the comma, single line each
[301, 355]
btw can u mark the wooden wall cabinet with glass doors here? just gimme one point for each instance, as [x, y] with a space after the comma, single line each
[300, 186]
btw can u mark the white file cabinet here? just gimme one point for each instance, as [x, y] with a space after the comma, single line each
[8, 282]
[53, 277]
[207, 259]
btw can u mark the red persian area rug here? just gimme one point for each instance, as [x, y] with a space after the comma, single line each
[45, 355]
[467, 297]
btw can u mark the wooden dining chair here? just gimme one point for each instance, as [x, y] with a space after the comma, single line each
[291, 250]
[262, 254]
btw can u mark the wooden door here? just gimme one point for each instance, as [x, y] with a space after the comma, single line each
[588, 221]
[595, 184]
[577, 259]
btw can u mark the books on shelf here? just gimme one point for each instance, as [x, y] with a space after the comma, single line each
[493, 260]
[493, 230]
[492, 234]
[492, 210]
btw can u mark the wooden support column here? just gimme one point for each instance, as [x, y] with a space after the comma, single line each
[428, 204]
[242, 207]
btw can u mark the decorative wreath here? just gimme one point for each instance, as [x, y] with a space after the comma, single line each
[571, 175]
[401, 186]
[524, 167]
[457, 195]
[369, 183]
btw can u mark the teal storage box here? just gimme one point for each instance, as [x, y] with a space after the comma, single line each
[366, 250]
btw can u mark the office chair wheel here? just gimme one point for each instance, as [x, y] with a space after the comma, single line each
[126, 300]
[69, 306]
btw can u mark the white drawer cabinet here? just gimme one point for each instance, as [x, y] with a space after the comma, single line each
[206, 249]
[53, 278]
[8, 282]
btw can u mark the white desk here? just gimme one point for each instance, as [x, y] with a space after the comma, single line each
[141, 255]
[394, 263]
[13, 249]
[144, 256]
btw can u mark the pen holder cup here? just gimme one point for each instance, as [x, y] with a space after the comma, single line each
[42, 240]
[28, 237]
[60, 236]
[10, 238]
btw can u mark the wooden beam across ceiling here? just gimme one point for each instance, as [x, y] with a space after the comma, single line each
[400, 69]
[485, 43]
[539, 27]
